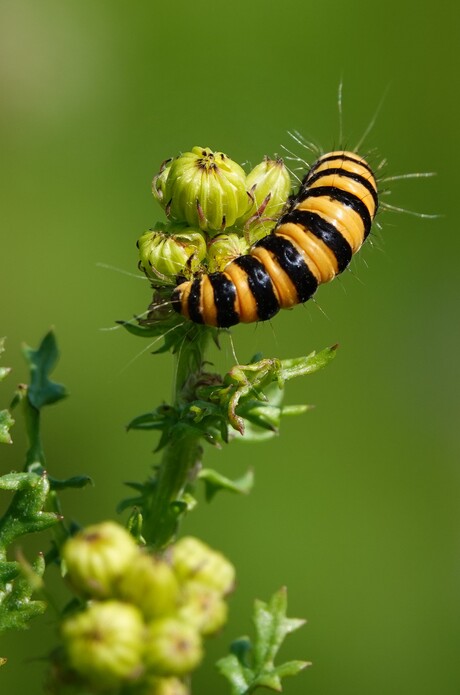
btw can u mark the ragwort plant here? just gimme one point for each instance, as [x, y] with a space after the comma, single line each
[144, 599]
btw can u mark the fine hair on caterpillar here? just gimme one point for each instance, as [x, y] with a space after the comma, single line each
[243, 264]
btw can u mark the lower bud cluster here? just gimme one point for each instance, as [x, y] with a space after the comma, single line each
[143, 617]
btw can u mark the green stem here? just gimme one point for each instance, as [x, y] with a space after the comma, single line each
[183, 453]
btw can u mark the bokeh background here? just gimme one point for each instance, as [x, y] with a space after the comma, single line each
[356, 505]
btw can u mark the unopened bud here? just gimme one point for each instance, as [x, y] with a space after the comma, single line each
[194, 560]
[167, 251]
[223, 249]
[97, 556]
[165, 686]
[150, 584]
[205, 189]
[203, 607]
[269, 185]
[159, 182]
[105, 643]
[172, 648]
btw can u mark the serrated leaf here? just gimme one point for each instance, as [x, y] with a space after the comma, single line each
[42, 391]
[75, 482]
[272, 626]
[301, 366]
[238, 676]
[6, 422]
[250, 667]
[25, 513]
[291, 668]
[15, 481]
[214, 482]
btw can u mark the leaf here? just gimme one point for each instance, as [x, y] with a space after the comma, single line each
[25, 513]
[272, 627]
[238, 676]
[250, 667]
[4, 371]
[301, 366]
[75, 482]
[42, 391]
[214, 482]
[6, 422]
[16, 606]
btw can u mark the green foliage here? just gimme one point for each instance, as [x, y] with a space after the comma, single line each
[42, 391]
[214, 481]
[210, 408]
[6, 421]
[250, 665]
[24, 515]
[34, 507]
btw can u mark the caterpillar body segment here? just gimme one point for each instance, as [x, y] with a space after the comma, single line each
[325, 223]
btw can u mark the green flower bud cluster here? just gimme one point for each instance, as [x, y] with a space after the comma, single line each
[215, 212]
[144, 617]
[168, 250]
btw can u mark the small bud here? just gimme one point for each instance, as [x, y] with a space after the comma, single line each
[192, 559]
[166, 686]
[159, 182]
[105, 643]
[203, 188]
[166, 252]
[150, 584]
[97, 556]
[203, 607]
[269, 185]
[223, 249]
[173, 648]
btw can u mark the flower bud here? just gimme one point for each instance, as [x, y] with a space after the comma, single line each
[105, 643]
[159, 182]
[150, 584]
[223, 249]
[205, 189]
[192, 559]
[203, 607]
[97, 556]
[269, 185]
[166, 252]
[166, 686]
[172, 647]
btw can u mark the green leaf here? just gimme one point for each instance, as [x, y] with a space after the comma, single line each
[16, 606]
[25, 513]
[214, 482]
[75, 482]
[42, 391]
[301, 366]
[4, 371]
[6, 422]
[250, 667]
[238, 676]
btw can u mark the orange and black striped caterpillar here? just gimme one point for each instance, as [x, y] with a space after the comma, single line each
[325, 223]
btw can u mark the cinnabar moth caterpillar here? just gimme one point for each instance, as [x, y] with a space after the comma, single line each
[314, 240]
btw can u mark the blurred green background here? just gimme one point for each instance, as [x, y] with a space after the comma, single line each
[356, 505]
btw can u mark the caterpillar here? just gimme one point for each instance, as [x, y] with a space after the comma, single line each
[325, 223]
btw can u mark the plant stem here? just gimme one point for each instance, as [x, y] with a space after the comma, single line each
[182, 454]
